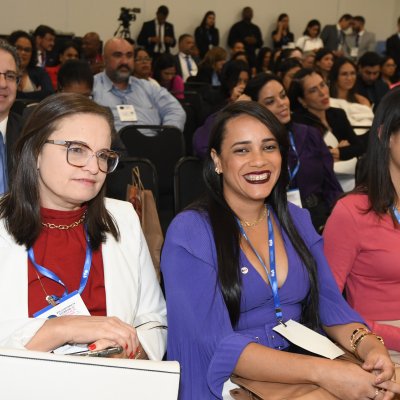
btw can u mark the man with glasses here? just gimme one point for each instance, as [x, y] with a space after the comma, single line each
[132, 100]
[10, 122]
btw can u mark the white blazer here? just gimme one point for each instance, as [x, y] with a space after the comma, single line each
[132, 290]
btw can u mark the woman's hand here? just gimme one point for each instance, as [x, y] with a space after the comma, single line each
[237, 91]
[100, 332]
[344, 143]
[348, 381]
[335, 153]
[377, 361]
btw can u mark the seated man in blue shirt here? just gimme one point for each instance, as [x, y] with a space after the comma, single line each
[133, 100]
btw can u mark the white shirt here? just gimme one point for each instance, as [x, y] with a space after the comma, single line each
[307, 43]
[160, 31]
[3, 128]
[184, 66]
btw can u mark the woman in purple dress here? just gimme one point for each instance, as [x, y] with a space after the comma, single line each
[224, 292]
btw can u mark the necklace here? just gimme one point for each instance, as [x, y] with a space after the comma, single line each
[249, 224]
[65, 227]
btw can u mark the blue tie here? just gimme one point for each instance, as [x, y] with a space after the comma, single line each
[3, 166]
[189, 65]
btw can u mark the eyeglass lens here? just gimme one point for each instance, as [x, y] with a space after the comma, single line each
[79, 155]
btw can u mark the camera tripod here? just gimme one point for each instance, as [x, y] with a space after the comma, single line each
[123, 31]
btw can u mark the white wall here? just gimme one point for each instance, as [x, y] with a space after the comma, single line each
[81, 16]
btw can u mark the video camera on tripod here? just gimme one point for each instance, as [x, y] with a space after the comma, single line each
[126, 16]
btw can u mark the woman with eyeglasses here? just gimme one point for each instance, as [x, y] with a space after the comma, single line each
[342, 82]
[66, 249]
[142, 69]
[388, 71]
[35, 83]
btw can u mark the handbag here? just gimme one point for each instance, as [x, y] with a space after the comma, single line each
[145, 206]
[261, 390]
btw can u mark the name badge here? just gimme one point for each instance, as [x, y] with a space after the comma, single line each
[126, 113]
[71, 304]
[294, 197]
[309, 340]
[354, 52]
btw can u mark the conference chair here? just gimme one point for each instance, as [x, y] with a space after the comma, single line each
[163, 146]
[189, 184]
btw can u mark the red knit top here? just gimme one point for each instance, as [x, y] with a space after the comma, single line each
[63, 252]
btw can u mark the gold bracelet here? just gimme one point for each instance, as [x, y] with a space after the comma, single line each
[354, 335]
[361, 338]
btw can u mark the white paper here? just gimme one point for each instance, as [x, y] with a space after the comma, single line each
[309, 340]
[294, 197]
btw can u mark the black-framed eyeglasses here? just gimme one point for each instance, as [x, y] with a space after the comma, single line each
[11, 76]
[79, 154]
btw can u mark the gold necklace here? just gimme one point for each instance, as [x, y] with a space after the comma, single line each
[255, 223]
[65, 227]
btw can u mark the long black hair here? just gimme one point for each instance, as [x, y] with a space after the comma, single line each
[376, 181]
[204, 20]
[223, 219]
[311, 23]
[260, 58]
[20, 207]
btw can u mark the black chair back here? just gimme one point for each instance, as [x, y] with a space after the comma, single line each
[189, 184]
[117, 181]
[162, 145]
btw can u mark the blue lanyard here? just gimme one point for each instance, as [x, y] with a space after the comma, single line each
[293, 173]
[273, 281]
[396, 213]
[51, 275]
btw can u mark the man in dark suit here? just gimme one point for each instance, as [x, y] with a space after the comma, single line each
[45, 39]
[334, 36]
[186, 65]
[157, 36]
[393, 47]
[10, 123]
[248, 33]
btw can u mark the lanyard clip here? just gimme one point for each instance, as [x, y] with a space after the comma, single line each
[282, 323]
[51, 300]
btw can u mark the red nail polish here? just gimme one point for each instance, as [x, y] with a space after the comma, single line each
[91, 346]
[126, 346]
[131, 355]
